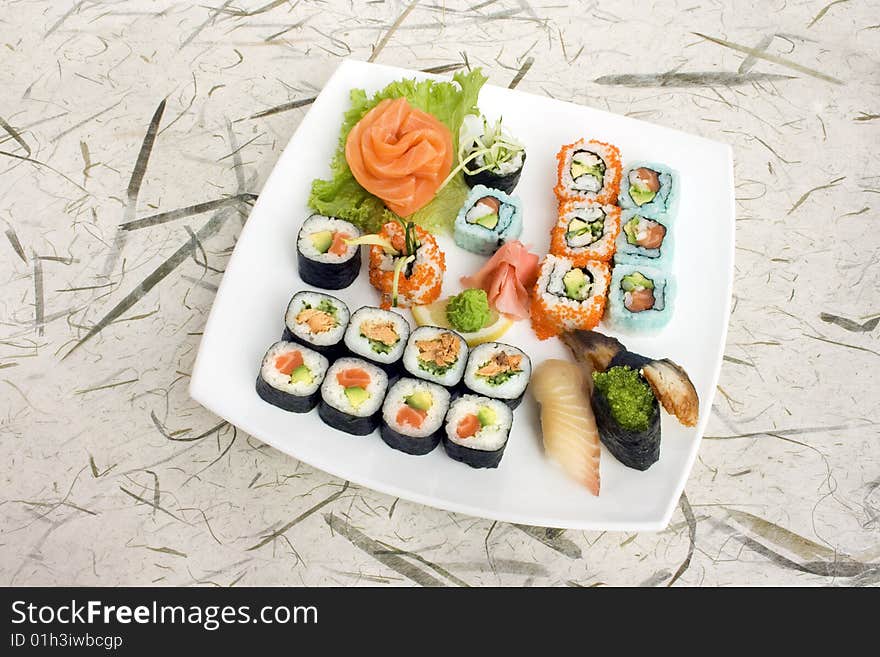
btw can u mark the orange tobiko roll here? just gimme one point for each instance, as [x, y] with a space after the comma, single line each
[585, 230]
[400, 154]
[567, 297]
[588, 170]
[408, 269]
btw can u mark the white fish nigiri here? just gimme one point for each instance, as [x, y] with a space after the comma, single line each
[567, 421]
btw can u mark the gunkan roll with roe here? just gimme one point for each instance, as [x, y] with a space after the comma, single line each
[316, 320]
[351, 396]
[487, 220]
[413, 414]
[324, 256]
[290, 376]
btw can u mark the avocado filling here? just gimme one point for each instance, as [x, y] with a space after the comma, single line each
[487, 416]
[629, 397]
[644, 183]
[636, 281]
[301, 374]
[484, 212]
[322, 240]
[420, 401]
[587, 171]
[356, 396]
[577, 284]
[583, 231]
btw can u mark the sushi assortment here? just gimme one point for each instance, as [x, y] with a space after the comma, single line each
[407, 168]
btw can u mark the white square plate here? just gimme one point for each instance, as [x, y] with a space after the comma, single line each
[527, 488]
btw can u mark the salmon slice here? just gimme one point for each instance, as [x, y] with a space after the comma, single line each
[338, 247]
[411, 416]
[400, 154]
[568, 425]
[353, 377]
[468, 426]
[288, 361]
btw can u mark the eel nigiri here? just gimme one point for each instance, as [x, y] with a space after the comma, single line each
[567, 422]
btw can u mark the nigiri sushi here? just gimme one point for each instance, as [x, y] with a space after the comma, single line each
[569, 430]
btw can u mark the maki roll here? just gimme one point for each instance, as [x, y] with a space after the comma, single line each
[650, 188]
[487, 220]
[406, 265]
[643, 240]
[436, 354]
[585, 231]
[567, 297]
[477, 429]
[640, 297]
[351, 396]
[628, 416]
[316, 320]
[325, 257]
[588, 170]
[412, 416]
[290, 376]
[378, 336]
[489, 155]
[500, 371]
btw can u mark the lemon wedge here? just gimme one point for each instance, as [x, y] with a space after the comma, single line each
[434, 314]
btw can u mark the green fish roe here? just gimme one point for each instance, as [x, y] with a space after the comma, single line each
[630, 398]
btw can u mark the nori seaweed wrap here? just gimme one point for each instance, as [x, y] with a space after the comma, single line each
[324, 258]
[506, 182]
[634, 448]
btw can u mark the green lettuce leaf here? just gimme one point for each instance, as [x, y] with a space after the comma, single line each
[341, 196]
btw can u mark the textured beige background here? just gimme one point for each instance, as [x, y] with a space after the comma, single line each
[112, 475]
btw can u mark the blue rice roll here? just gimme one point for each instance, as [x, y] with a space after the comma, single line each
[351, 396]
[290, 377]
[316, 320]
[500, 371]
[487, 220]
[640, 298]
[435, 354]
[476, 431]
[649, 188]
[323, 257]
[412, 416]
[378, 336]
[644, 240]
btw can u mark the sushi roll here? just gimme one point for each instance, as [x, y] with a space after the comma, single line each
[643, 240]
[351, 396]
[406, 265]
[436, 354]
[477, 429]
[585, 231]
[650, 188]
[290, 376]
[317, 321]
[588, 170]
[487, 220]
[500, 371]
[412, 416]
[627, 415]
[490, 155]
[640, 297]
[324, 257]
[378, 336]
[568, 297]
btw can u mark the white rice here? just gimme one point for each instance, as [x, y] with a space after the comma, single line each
[312, 299]
[317, 223]
[510, 389]
[489, 438]
[316, 363]
[360, 345]
[334, 394]
[553, 289]
[411, 357]
[396, 398]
